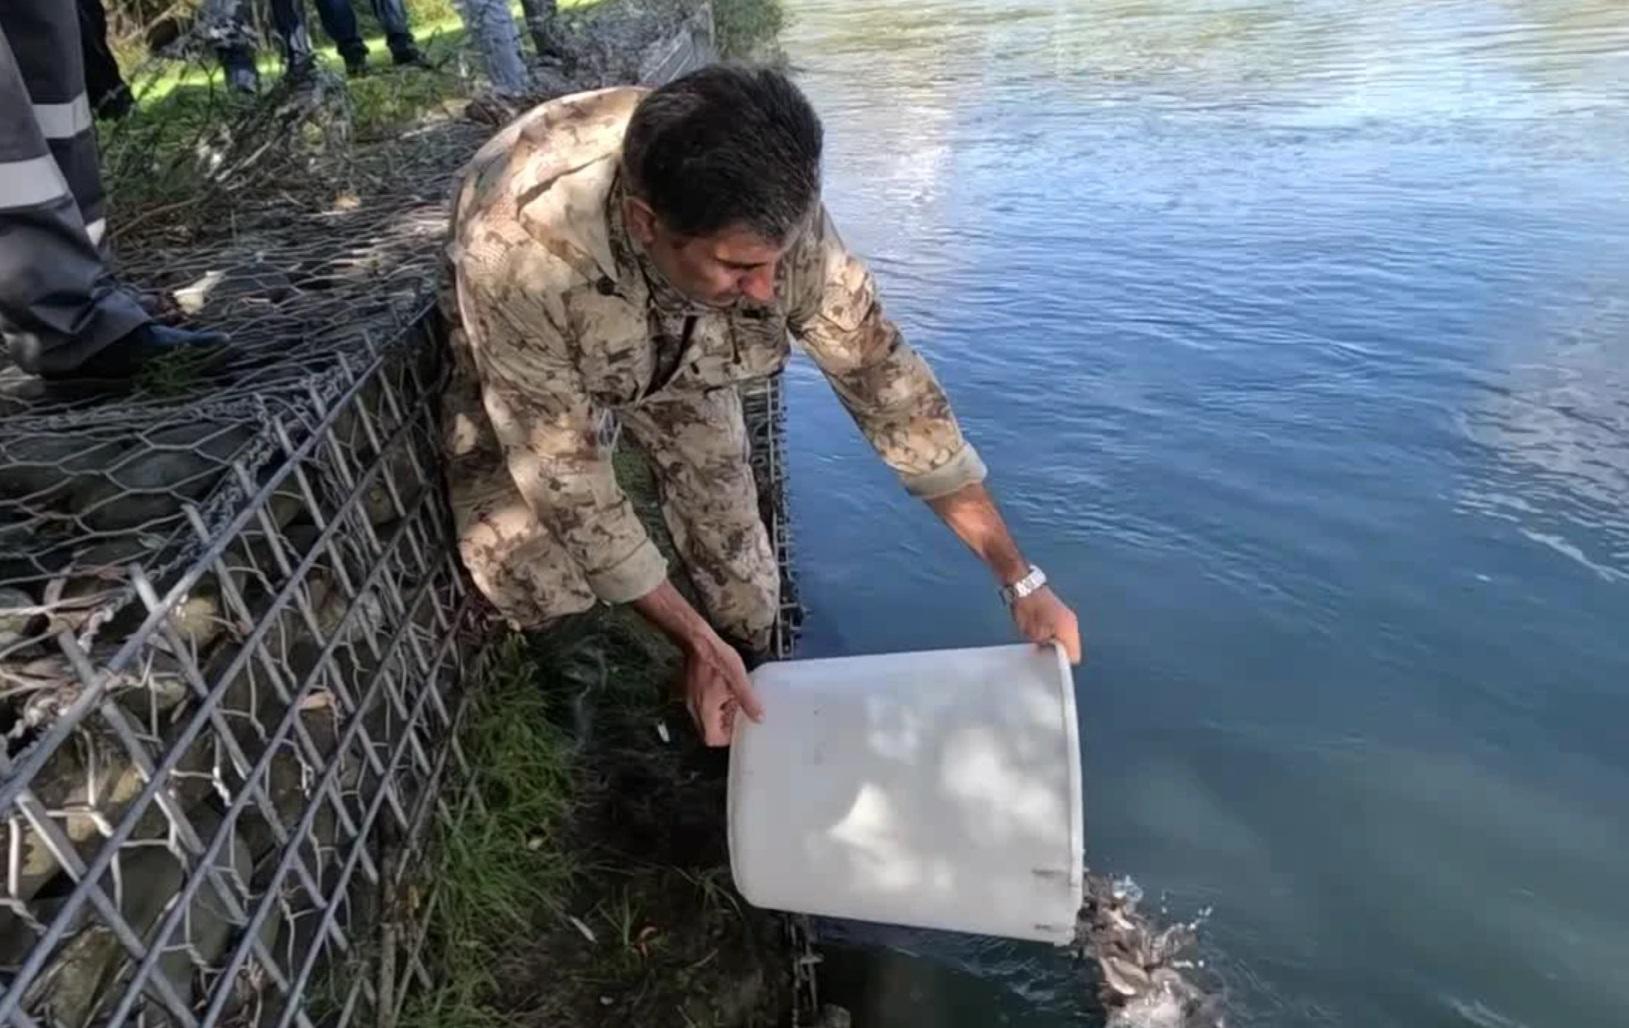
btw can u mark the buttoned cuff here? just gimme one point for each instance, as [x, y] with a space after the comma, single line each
[632, 577]
[961, 470]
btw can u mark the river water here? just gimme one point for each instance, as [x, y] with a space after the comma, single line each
[1297, 336]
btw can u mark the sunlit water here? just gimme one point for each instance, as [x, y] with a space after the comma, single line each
[1297, 335]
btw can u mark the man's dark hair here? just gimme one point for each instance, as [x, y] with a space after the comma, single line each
[726, 145]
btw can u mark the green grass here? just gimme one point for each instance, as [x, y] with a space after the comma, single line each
[436, 26]
[501, 868]
[590, 819]
[743, 28]
[161, 158]
[172, 374]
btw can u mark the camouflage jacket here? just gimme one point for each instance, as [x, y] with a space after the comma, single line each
[559, 323]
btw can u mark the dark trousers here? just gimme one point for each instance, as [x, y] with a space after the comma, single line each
[339, 21]
[103, 82]
[58, 304]
[288, 21]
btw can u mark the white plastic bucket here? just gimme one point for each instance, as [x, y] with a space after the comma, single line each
[938, 790]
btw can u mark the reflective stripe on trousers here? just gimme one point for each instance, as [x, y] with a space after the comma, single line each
[64, 120]
[58, 304]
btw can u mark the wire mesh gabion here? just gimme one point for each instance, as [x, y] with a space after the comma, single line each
[214, 750]
[215, 788]
[235, 640]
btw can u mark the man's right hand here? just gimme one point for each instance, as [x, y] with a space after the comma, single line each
[715, 682]
[715, 686]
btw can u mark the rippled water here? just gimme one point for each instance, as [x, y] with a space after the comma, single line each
[1297, 334]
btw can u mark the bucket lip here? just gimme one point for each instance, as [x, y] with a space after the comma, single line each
[732, 792]
[1077, 789]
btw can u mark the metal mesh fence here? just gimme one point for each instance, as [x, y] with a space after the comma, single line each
[763, 407]
[235, 642]
[204, 812]
[216, 785]
[234, 636]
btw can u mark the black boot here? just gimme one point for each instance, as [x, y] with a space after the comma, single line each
[301, 73]
[356, 65]
[243, 80]
[410, 57]
[126, 356]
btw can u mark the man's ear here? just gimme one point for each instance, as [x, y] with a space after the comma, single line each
[640, 219]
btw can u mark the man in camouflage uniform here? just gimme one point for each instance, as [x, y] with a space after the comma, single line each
[623, 260]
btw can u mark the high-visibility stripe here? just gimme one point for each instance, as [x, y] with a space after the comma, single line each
[96, 230]
[29, 182]
[64, 121]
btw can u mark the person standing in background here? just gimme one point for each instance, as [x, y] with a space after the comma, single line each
[104, 84]
[62, 316]
[237, 53]
[339, 21]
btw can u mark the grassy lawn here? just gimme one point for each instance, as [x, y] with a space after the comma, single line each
[441, 36]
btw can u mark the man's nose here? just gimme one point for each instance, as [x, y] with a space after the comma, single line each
[759, 283]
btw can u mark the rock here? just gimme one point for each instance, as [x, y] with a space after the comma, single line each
[66, 782]
[149, 484]
[834, 1016]
[90, 973]
[71, 988]
[199, 617]
[398, 469]
[153, 686]
[286, 504]
[42, 468]
[102, 569]
[17, 622]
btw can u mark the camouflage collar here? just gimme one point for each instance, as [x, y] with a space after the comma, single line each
[632, 261]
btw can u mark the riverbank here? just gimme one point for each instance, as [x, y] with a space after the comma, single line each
[593, 888]
[580, 877]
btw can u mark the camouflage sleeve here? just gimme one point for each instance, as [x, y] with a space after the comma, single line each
[886, 386]
[556, 441]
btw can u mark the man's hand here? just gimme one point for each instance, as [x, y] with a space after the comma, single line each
[1043, 618]
[715, 682]
[715, 686]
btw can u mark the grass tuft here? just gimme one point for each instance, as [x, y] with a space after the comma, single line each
[501, 869]
[743, 28]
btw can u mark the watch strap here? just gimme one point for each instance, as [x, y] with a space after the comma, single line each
[1026, 586]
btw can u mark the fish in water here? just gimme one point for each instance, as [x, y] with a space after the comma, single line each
[1142, 964]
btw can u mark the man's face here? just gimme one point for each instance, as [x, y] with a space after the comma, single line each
[717, 270]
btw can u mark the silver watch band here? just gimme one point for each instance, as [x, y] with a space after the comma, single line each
[1025, 586]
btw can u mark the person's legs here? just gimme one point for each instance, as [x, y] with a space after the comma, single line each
[698, 447]
[288, 21]
[45, 40]
[392, 14]
[235, 48]
[339, 21]
[104, 85]
[58, 304]
[514, 560]
[543, 22]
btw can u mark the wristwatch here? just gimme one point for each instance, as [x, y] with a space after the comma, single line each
[1025, 586]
